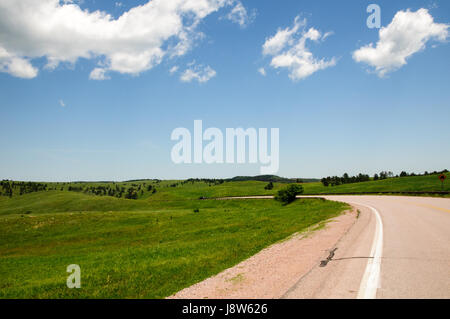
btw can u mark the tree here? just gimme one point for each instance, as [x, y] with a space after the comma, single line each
[375, 177]
[345, 178]
[269, 186]
[324, 182]
[287, 195]
[403, 174]
[131, 193]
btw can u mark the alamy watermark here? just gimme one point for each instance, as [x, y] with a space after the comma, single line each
[234, 151]
[374, 20]
[74, 279]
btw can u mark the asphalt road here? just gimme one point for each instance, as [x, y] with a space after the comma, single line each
[398, 248]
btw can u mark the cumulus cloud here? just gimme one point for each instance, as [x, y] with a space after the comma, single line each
[407, 34]
[288, 50]
[239, 15]
[61, 103]
[62, 32]
[262, 71]
[98, 74]
[199, 73]
[282, 38]
[16, 66]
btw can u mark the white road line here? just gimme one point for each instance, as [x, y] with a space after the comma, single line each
[371, 279]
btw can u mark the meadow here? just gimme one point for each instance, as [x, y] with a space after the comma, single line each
[145, 248]
[422, 183]
[170, 236]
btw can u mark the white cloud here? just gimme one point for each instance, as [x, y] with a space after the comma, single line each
[240, 15]
[282, 38]
[407, 34]
[173, 69]
[62, 32]
[262, 71]
[98, 74]
[200, 73]
[61, 103]
[288, 50]
[16, 66]
[73, 1]
[327, 34]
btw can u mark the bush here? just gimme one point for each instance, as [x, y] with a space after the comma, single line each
[287, 195]
[269, 186]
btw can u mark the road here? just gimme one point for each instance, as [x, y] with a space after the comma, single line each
[398, 248]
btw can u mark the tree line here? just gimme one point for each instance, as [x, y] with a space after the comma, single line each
[346, 179]
[8, 188]
[11, 188]
[209, 181]
[132, 192]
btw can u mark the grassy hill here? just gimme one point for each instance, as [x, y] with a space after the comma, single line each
[68, 196]
[271, 178]
[156, 244]
[150, 247]
[427, 183]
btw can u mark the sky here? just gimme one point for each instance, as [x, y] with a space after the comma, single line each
[92, 90]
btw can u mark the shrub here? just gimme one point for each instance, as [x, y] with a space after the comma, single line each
[287, 195]
[269, 186]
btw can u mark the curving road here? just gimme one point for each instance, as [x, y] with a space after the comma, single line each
[398, 248]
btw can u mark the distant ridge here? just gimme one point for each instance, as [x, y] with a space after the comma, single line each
[273, 178]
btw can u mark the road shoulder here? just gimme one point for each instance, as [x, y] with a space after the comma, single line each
[341, 277]
[277, 269]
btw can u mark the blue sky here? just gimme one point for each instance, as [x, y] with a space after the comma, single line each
[343, 118]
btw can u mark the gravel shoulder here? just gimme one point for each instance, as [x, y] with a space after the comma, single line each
[275, 270]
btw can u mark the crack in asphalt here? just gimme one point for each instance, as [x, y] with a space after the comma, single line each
[323, 263]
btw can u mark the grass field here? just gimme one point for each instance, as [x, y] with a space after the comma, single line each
[428, 183]
[182, 191]
[157, 244]
[135, 248]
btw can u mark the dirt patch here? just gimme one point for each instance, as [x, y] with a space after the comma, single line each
[271, 272]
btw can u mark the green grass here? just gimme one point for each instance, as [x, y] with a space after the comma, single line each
[57, 200]
[158, 244]
[144, 248]
[180, 192]
[428, 183]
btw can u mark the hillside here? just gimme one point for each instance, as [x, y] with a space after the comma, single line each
[151, 247]
[423, 183]
[272, 178]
